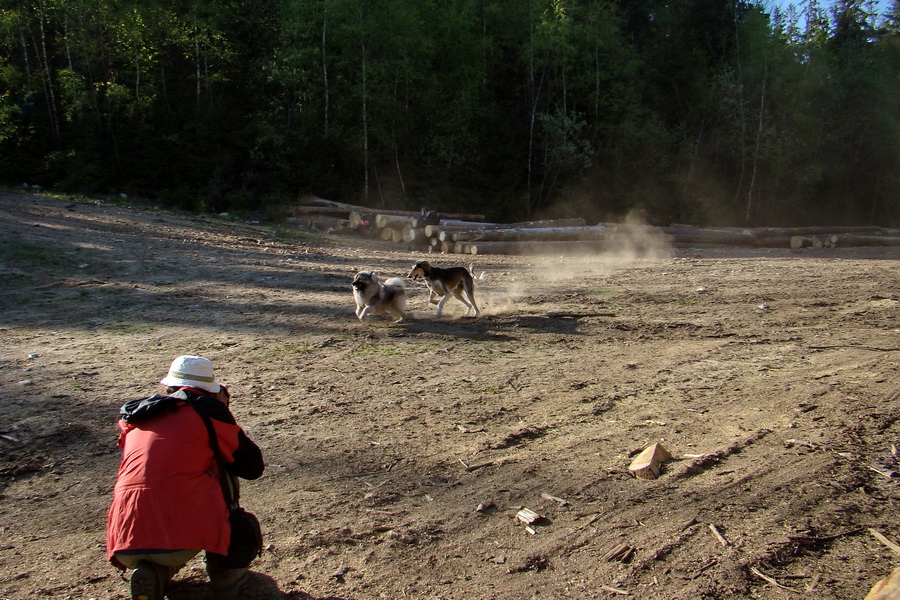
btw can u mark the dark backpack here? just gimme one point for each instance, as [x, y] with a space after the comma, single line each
[141, 409]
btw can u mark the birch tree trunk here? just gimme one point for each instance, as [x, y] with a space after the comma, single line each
[759, 129]
[365, 124]
[48, 80]
[325, 62]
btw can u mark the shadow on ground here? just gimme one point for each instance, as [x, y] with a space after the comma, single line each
[257, 587]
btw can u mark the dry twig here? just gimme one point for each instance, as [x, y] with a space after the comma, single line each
[891, 545]
[719, 536]
[615, 590]
[860, 346]
[765, 577]
[823, 538]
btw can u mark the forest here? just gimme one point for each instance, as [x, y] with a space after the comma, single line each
[707, 112]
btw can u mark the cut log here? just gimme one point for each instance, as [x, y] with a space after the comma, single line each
[476, 218]
[472, 224]
[436, 230]
[433, 230]
[535, 248]
[646, 465]
[572, 222]
[524, 234]
[361, 219]
[306, 211]
[390, 220]
[549, 223]
[774, 241]
[689, 235]
[850, 239]
[322, 203]
[411, 234]
[798, 241]
[322, 222]
[764, 232]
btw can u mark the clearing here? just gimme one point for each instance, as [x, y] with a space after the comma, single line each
[399, 455]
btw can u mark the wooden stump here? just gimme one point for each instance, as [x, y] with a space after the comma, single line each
[886, 589]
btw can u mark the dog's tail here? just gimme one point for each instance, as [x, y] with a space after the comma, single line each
[395, 282]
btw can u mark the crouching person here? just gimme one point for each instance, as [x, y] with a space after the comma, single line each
[172, 499]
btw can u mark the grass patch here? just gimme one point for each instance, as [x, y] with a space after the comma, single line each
[423, 346]
[21, 254]
[604, 293]
[378, 350]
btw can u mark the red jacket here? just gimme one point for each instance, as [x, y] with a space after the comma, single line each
[167, 494]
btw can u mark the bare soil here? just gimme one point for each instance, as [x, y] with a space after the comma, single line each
[399, 454]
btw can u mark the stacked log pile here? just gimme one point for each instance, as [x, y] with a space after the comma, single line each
[470, 234]
[397, 226]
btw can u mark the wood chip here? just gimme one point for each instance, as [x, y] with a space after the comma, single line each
[646, 465]
[339, 574]
[552, 498]
[485, 507]
[528, 516]
[617, 552]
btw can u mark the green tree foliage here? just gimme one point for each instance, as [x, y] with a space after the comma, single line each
[703, 111]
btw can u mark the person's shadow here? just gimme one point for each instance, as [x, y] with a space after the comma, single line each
[257, 587]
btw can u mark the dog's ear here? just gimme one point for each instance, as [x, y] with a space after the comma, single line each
[425, 264]
[374, 276]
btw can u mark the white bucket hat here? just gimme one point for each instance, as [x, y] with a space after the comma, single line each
[192, 371]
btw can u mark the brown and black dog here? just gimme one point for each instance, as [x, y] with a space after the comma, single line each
[444, 282]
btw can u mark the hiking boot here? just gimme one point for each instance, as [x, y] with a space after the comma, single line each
[225, 582]
[148, 581]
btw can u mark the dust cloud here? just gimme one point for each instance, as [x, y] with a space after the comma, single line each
[625, 245]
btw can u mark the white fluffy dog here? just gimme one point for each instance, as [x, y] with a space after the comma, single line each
[374, 297]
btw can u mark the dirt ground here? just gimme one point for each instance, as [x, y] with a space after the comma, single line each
[399, 454]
